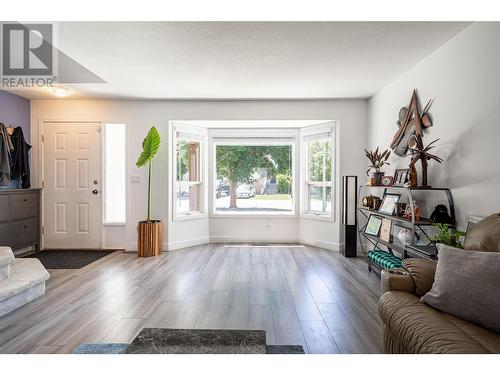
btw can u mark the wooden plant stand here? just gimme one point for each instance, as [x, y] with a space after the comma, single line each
[150, 238]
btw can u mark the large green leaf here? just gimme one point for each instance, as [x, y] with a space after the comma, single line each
[150, 147]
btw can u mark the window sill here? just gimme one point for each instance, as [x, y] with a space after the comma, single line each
[235, 215]
[193, 216]
[114, 224]
[310, 216]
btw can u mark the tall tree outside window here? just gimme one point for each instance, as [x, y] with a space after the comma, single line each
[254, 179]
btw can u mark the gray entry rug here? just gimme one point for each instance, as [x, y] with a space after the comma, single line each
[69, 259]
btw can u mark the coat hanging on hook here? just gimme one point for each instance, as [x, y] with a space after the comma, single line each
[20, 165]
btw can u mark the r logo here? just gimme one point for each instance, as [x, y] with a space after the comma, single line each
[27, 49]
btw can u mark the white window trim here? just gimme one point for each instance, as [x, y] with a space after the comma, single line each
[308, 132]
[257, 137]
[102, 127]
[194, 134]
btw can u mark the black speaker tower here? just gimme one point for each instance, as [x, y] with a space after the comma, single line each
[349, 215]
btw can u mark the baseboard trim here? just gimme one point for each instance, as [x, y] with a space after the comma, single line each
[170, 246]
[327, 245]
[177, 245]
[235, 239]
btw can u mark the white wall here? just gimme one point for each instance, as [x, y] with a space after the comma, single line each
[139, 115]
[464, 77]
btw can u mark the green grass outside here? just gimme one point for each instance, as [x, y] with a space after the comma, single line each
[273, 197]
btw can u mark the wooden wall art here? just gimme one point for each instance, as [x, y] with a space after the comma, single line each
[408, 138]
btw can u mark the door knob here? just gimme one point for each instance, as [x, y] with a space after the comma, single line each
[95, 191]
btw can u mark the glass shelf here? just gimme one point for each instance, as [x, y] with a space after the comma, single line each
[414, 248]
[421, 221]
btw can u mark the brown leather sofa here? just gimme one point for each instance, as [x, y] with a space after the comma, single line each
[412, 327]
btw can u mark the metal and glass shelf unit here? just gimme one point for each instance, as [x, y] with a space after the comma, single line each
[418, 241]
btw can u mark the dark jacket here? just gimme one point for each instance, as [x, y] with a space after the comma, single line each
[20, 160]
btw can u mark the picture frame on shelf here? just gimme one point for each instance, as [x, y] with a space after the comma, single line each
[385, 230]
[388, 205]
[373, 226]
[401, 177]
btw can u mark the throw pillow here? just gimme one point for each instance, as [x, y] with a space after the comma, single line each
[467, 286]
[485, 236]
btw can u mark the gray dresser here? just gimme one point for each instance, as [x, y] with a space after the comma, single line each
[20, 222]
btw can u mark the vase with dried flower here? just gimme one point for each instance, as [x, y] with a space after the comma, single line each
[377, 160]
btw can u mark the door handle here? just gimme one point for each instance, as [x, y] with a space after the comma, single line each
[95, 191]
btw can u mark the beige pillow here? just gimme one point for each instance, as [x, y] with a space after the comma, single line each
[485, 236]
[467, 285]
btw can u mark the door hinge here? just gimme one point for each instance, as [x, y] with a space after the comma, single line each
[43, 230]
[99, 128]
[43, 184]
[43, 138]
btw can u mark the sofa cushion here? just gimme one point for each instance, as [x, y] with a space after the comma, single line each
[485, 236]
[422, 271]
[421, 329]
[466, 285]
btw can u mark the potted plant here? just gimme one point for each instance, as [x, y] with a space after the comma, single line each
[150, 232]
[377, 160]
[448, 235]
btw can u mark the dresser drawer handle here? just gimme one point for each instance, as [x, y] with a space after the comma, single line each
[25, 200]
[25, 226]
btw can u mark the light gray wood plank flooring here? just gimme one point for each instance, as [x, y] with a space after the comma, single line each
[298, 295]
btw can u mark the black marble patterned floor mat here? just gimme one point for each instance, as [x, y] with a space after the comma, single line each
[193, 341]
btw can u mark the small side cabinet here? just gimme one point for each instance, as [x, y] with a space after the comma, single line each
[20, 222]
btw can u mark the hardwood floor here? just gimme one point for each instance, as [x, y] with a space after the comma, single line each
[299, 295]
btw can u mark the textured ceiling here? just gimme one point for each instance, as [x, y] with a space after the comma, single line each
[245, 60]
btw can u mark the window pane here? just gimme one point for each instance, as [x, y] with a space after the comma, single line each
[114, 173]
[188, 176]
[320, 199]
[188, 160]
[254, 179]
[320, 160]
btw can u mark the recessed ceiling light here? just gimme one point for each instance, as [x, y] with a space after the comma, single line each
[59, 91]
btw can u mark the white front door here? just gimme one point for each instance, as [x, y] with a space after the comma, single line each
[72, 185]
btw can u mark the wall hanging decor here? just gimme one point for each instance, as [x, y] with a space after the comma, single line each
[408, 139]
[410, 122]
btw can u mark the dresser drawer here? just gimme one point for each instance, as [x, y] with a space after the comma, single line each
[4, 207]
[23, 205]
[24, 232]
[4, 234]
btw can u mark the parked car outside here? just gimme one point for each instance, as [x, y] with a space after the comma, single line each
[245, 191]
[221, 188]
